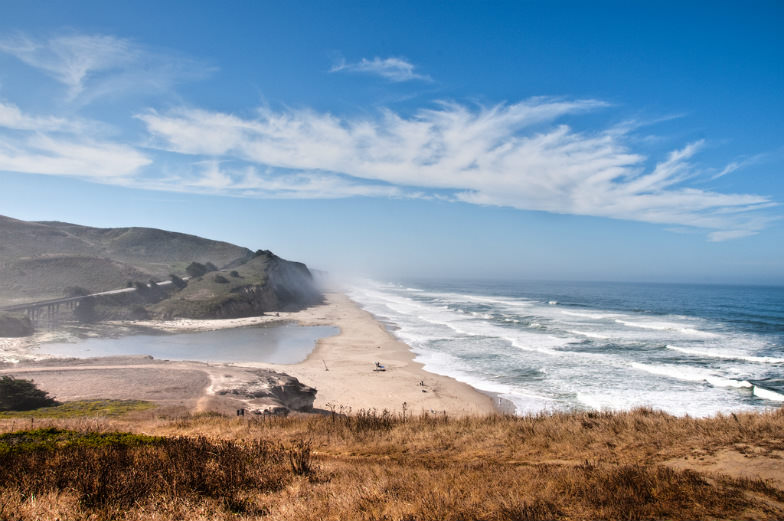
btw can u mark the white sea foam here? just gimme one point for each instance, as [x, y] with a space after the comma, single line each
[690, 374]
[767, 394]
[605, 402]
[594, 316]
[667, 326]
[726, 355]
[589, 334]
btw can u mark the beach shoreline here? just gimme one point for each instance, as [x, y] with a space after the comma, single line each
[341, 367]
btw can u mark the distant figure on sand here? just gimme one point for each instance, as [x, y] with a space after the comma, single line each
[379, 367]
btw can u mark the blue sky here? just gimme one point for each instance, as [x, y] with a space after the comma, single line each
[541, 140]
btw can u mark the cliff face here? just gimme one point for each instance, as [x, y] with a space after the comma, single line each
[254, 286]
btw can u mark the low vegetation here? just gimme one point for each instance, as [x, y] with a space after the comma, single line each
[82, 408]
[108, 473]
[385, 466]
[22, 395]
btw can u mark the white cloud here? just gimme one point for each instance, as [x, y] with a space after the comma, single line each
[510, 154]
[739, 164]
[92, 66]
[13, 118]
[42, 154]
[60, 146]
[729, 234]
[393, 69]
[212, 176]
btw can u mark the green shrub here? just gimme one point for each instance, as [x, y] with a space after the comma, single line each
[76, 291]
[22, 395]
[196, 269]
[80, 409]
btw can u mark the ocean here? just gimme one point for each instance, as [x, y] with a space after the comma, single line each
[554, 346]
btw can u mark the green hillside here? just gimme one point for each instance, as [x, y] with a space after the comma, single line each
[42, 260]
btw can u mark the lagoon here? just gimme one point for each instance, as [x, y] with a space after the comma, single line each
[283, 344]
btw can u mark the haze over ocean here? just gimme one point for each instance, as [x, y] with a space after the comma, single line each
[685, 349]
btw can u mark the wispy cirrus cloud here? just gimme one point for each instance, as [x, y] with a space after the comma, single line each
[86, 158]
[13, 118]
[87, 67]
[516, 155]
[61, 146]
[93, 66]
[392, 69]
[213, 176]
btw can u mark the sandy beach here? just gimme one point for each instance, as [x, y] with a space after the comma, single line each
[341, 368]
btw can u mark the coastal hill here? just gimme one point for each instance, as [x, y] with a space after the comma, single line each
[50, 260]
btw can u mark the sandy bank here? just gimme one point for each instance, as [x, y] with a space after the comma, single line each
[341, 368]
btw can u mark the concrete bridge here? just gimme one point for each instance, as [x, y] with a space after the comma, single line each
[48, 312]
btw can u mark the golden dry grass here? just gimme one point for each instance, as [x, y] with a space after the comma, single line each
[377, 466]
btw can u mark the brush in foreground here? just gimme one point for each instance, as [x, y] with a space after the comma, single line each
[379, 465]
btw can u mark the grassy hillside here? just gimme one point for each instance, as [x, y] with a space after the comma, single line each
[47, 276]
[384, 466]
[38, 260]
[158, 251]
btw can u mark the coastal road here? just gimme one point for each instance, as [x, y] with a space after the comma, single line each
[65, 300]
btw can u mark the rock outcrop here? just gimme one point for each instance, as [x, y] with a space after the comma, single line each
[272, 393]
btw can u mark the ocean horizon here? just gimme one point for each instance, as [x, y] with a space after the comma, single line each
[687, 349]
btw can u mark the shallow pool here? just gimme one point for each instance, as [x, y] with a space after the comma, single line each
[285, 344]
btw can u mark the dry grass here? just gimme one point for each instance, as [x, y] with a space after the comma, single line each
[381, 466]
